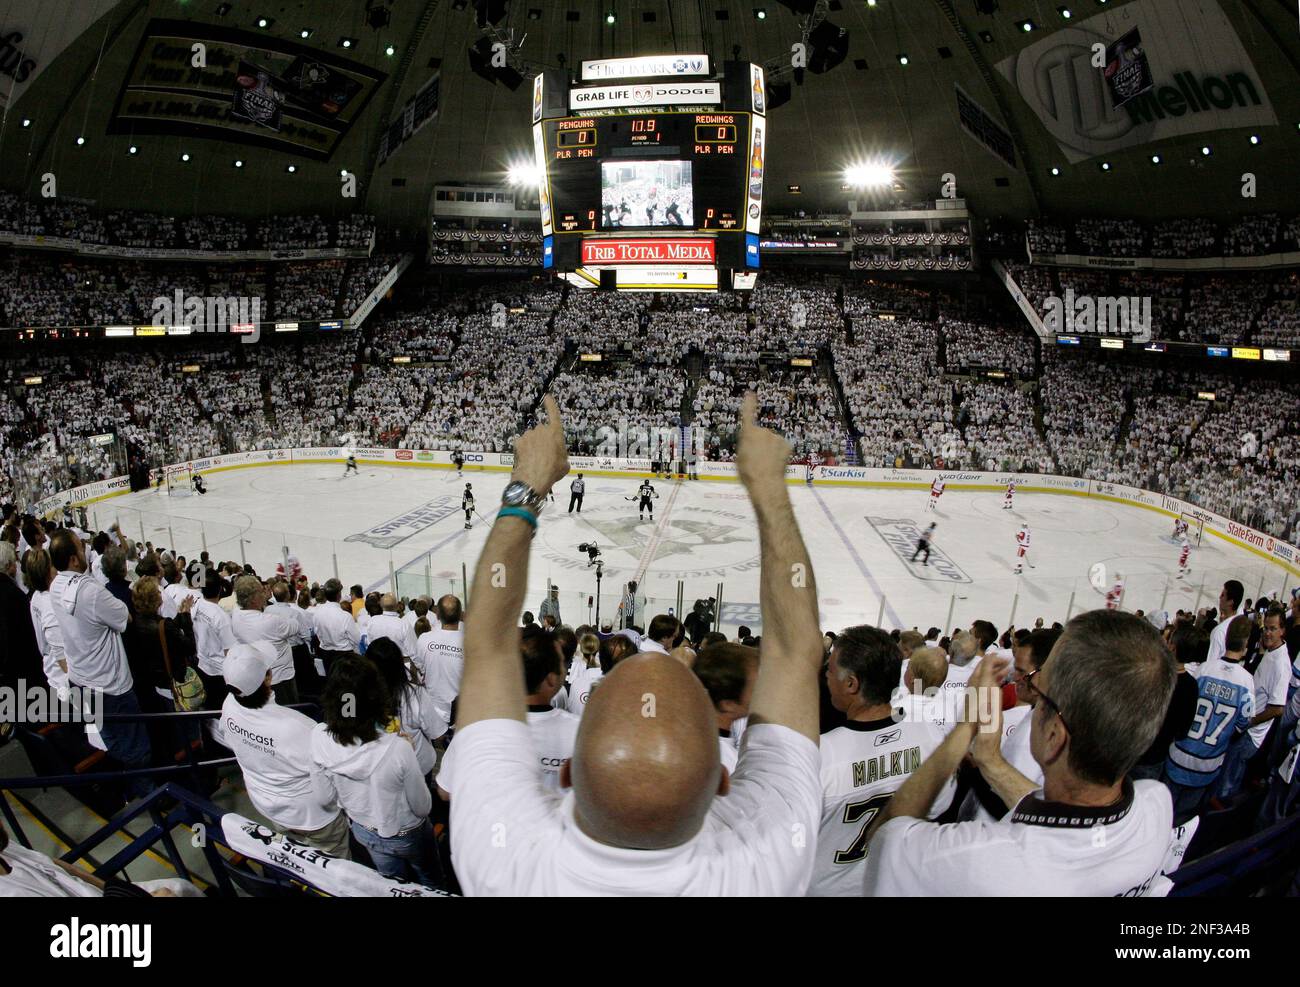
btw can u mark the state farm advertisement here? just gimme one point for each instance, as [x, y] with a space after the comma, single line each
[606, 252]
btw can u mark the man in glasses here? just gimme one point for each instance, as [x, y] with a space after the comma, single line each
[1099, 700]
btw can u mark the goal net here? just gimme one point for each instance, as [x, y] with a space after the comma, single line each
[1195, 528]
[179, 480]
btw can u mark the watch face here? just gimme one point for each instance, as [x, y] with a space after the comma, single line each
[516, 494]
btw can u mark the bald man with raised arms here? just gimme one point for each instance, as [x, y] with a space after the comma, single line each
[648, 808]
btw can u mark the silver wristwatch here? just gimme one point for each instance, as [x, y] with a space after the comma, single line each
[520, 494]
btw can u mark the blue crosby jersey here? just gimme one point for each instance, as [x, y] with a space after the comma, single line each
[1225, 705]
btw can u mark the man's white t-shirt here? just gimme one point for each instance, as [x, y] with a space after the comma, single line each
[759, 839]
[1040, 848]
[553, 734]
[584, 680]
[1272, 679]
[1219, 636]
[273, 747]
[213, 636]
[391, 626]
[440, 654]
[863, 765]
[276, 628]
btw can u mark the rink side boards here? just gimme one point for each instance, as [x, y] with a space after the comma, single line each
[1265, 546]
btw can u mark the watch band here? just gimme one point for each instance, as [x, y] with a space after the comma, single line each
[520, 512]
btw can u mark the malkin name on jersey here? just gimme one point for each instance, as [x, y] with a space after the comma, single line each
[874, 769]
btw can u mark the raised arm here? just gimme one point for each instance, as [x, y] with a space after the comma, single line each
[786, 690]
[492, 686]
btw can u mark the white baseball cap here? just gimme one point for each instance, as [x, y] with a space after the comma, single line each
[246, 666]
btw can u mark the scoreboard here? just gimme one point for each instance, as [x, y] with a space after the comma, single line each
[632, 192]
[651, 171]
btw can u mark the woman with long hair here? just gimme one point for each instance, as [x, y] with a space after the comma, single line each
[417, 718]
[375, 774]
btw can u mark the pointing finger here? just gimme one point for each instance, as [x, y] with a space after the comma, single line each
[749, 410]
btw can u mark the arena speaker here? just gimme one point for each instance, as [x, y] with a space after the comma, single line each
[829, 45]
[608, 279]
[778, 93]
[555, 88]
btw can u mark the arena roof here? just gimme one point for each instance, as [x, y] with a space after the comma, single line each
[1223, 71]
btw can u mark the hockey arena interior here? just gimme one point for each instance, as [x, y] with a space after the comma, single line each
[703, 360]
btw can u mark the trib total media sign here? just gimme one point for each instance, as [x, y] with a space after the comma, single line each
[598, 252]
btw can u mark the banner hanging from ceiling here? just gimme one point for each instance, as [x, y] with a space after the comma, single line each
[252, 89]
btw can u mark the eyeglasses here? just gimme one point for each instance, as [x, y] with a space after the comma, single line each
[1028, 680]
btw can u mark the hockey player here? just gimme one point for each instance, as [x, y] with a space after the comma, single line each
[923, 544]
[813, 462]
[1009, 499]
[467, 505]
[1180, 528]
[647, 495]
[1184, 556]
[351, 466]
[458, 458]
[936, 491]
[200, 487]
[1115, 595]
[1022, 549]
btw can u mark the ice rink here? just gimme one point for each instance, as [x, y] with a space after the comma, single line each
[406, 521]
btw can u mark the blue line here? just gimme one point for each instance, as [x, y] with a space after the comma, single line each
[428, 551]
[862, 566]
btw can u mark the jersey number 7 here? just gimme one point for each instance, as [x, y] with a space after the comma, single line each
[862, 812]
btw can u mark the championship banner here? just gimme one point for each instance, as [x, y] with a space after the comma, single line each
[259, 97]
[249, 88]
[1128, 74]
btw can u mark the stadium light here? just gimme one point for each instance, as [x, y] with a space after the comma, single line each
[902, 59]
[291, 169]
[869, 175]
[524, 174]
[185, 156]
[610, 18]
[1155, 159]
[1056, 171]
[760, 13]
[1254, 138]
[27, 121]
[239, 163]
[1206, 150]
[389, 51]
[80, 141]
[1065, 12]
[132, 149]
[305, 33]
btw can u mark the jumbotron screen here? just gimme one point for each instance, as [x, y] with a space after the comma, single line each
[652, 172]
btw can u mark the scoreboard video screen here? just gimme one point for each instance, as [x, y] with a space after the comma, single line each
[655, 172]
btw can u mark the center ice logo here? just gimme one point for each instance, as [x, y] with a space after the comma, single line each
[901, 535]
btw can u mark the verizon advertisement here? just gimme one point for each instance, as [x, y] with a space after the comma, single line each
[648, 94]
[607, 252]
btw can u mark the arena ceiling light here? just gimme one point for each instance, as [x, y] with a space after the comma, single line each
[524, 174]
[346, 42]
[1056, 172]
[389, 51]
[1206, 150]
[1155, 159]
[305, 33]
[1026, 26]
[239, 163]
[80, 141]
[185, 156]
[610, 18]
[760, 14]
[291, 169]
[1064, 12]
[265, 22]
[132, 149]
[27, 121]
[870, 175]
[1254, 138]
[903, 59]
